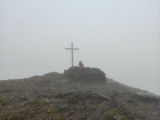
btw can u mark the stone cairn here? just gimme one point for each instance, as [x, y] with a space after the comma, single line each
[85, 74]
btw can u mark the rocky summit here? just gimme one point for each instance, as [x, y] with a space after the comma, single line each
[85, 74]
[76, 94]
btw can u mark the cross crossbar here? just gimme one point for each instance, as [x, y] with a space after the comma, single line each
[71, 48]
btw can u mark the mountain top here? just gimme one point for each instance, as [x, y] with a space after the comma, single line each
[76, 94]
[85, 74]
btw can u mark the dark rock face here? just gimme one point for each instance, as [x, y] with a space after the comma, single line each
[85, 74]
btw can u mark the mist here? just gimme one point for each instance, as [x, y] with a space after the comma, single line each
[119, 37]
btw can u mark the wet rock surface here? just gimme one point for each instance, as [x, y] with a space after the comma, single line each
[58, 96]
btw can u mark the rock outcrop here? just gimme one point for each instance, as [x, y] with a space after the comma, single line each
[86, 74]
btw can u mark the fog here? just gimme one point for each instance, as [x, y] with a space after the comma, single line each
[122, 38]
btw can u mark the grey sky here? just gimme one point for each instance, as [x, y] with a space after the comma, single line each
[122, 38]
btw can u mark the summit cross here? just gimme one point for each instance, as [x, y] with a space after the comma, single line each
[72, 51]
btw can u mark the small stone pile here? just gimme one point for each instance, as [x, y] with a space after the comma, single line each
[86, 74]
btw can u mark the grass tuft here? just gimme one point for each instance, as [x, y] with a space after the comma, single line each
[55, 114]
[110, 114]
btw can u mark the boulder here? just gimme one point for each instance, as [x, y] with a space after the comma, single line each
[146, 97]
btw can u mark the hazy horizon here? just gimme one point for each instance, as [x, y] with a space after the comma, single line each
[122, 38]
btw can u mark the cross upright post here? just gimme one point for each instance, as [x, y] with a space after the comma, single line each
[72, 51]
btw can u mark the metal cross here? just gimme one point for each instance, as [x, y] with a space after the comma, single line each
[72, 51]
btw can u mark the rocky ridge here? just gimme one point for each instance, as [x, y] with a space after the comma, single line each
[75, 96]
